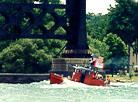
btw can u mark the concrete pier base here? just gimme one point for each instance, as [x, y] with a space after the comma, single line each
[64, 65]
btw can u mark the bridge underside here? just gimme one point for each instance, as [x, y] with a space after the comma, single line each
[24, 21]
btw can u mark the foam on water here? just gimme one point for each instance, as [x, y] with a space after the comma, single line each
[71, 84]
[134, 85]
[68, 91]
[66, 84]
[121, 84]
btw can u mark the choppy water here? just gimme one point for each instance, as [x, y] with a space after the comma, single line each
[68, 92]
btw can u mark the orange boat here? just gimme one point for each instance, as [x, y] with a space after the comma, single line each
[83, 75]
[89, 77]
[55, 78]
[90, 80]
[76, 76]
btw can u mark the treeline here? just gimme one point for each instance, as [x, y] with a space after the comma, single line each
[104, 43]
[29, 55]
[108, 35]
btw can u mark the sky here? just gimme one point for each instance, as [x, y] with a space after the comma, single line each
[98, 6]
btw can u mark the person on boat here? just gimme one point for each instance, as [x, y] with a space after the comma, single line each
[108, 80]
[96, 75]
[93, 62]
[99, 66]
[83, 76]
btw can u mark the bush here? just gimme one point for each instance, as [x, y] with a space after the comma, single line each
[25, 56]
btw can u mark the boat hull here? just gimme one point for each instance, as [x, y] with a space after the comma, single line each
[76, 76]
[89, 80]
[55, 78]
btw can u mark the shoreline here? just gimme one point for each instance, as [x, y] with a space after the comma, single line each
[30, 77]
[22, 78]
[123, 79]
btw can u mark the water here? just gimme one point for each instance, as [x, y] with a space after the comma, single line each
[68, 92]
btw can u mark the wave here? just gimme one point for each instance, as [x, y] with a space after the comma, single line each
[119, 84]
[68, 84]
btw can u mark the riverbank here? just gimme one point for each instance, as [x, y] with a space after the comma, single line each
[117, 78]
[22, 78]
[28, 78]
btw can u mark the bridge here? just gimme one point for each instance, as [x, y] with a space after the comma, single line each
[20, 20]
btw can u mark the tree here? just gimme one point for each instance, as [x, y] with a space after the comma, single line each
[96, 30]
[117, 52]
[116, 46]
[123, 20]
[96, 25]
[98, 47]
[27, 55]
[24, 56]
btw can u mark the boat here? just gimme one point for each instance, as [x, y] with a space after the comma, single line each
[55, 78]
[82, 75]
[89, 77]
[76, 76]
[85, 75]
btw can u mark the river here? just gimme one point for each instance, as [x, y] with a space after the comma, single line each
[68, 92]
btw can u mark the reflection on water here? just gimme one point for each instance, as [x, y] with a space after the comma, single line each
[68, 92]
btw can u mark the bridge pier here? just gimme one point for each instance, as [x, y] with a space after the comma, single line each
[77, 50]
[64, 65]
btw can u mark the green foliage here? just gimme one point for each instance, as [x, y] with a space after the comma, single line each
[123, 20]
[96, 30]
[109, 46]
[116, 46]
[118, 51]
[34, 56]
[98, 47]
[29, 56]
[96, 25]
[4, 44]
[26, 55]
